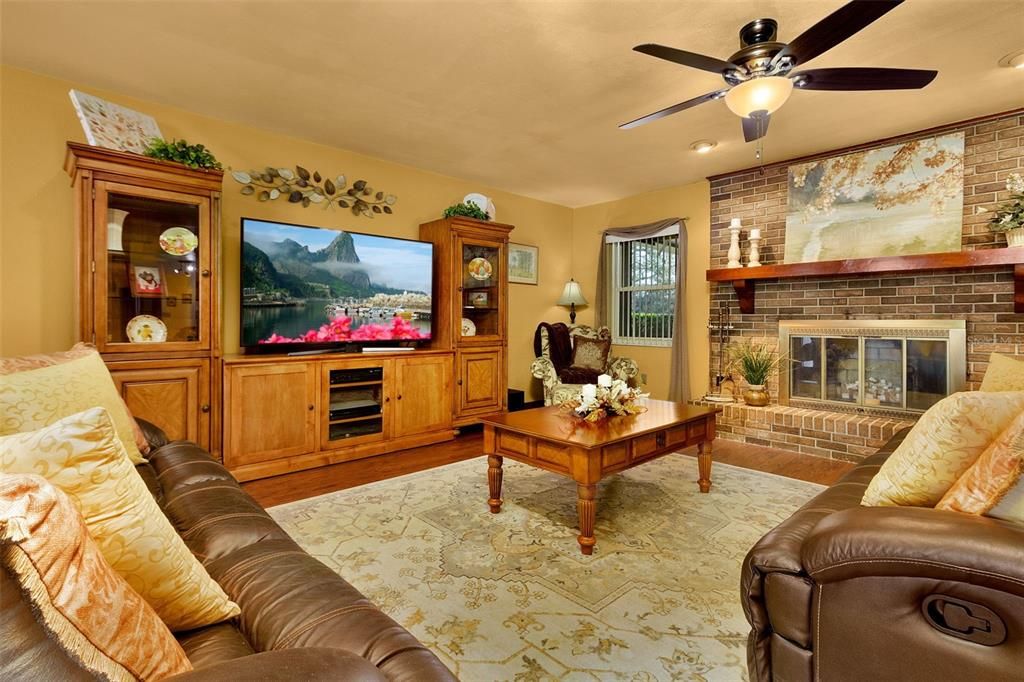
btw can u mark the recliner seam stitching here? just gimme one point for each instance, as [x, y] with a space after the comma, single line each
[919, 563]
[194, 489]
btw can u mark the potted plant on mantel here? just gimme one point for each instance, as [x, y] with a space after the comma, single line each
[1009, 217]
[756, 363]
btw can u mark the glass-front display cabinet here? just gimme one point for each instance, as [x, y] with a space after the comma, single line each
[481, 299]
[147, 245]
[155, 269]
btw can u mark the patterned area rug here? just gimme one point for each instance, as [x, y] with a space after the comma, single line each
[510, 597]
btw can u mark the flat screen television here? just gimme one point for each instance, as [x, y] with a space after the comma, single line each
[314, 288]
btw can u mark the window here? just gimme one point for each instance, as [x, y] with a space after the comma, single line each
[643, 287]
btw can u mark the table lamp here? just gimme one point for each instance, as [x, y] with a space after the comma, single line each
[572, 296]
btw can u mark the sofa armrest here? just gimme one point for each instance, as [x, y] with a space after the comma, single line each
[622, 368]
[916, 541]
[286, 665]
[155, 436]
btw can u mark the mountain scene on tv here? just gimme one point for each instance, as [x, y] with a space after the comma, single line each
[310, 285]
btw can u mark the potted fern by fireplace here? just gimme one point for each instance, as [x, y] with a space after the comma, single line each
[1009, 218]
[756, 363]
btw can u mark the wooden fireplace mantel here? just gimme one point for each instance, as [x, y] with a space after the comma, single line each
[743, 278]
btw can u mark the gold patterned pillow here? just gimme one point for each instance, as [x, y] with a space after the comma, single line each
[590, 353]
[81, 603]
[1004, 373]
[83, 456]
[944, 443]
[39, 397]
[994, 485]
[24, 363]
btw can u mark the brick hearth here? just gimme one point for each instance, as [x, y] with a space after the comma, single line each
[836, 435]
[981, 296]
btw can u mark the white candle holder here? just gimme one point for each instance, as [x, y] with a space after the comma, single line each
[755, 253]
[734, 244]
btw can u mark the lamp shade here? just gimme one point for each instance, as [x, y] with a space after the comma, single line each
[572, 294]
[760, 94]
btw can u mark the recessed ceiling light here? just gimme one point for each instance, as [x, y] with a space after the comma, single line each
[703, 146]
[1014, 60]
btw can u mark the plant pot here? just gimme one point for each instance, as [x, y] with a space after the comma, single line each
[1015, 237]
[756, 396]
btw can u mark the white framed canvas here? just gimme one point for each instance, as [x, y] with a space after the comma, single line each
[898, 200]
[112, 126]
[522, 263]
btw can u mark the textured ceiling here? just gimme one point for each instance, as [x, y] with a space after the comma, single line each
[524, 96]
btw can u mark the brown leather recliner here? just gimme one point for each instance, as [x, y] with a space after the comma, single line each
[299, 620]
[843, 592]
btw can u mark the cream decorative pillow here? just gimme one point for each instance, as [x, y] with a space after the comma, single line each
[1004, 373]
[24, 363]
[39, 397]
[944, 443]
[994, 485]
[81, 603]
[83, 456]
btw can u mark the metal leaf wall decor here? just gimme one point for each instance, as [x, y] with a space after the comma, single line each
[299, 186]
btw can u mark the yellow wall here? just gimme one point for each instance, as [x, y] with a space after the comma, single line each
[37, 241]
[693, 202]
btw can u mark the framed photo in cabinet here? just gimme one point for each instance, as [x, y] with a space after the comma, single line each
[146, 281]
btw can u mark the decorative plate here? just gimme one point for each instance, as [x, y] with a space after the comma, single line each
[178, 241]
[480, 268]
[468, 328]
[146, 329]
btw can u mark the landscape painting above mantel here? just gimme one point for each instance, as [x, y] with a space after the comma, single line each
[897, 200]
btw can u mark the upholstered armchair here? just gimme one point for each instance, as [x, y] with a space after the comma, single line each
[555, 346]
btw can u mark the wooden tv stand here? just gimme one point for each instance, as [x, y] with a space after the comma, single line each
[285, 414]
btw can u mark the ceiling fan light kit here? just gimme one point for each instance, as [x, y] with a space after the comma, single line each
[760, 75]
[759, 96]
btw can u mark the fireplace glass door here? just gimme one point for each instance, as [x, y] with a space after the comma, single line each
[872, 366]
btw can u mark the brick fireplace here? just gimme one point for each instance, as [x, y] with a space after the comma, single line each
[982, 297]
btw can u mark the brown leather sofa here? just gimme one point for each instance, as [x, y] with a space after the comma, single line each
[299, 620]
[843, 592]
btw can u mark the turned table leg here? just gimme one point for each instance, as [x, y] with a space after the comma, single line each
[494, 482]
[704, 465]
[586, 507]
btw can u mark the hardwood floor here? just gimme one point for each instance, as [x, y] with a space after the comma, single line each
[312, 482]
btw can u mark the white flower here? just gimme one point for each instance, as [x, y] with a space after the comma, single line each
[1015, 183]
[980, 209]
[605, 380]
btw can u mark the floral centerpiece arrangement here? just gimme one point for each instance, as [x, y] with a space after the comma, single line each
[1009, 217]
[606, 398]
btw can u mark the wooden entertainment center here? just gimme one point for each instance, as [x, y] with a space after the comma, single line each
[149, 282]
[285, 414]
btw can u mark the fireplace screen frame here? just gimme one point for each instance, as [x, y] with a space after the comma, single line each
[954, 332]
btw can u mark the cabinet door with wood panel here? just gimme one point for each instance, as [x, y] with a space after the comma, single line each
[271, 411]
[478, 388]
[423, 388]
[172, 394]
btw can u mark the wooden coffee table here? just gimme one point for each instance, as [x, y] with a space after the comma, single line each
[551, 439]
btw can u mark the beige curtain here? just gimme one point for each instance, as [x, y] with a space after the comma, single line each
[679, 381]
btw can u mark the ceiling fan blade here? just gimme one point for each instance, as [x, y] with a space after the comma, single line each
[834, 29]
[691, 59]
[863, 79]
[755, 127]
[675, 108]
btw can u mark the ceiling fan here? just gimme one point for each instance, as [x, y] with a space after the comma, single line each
[761, 78]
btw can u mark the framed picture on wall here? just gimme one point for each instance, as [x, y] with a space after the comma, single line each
[146, 281]
[522, 264]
